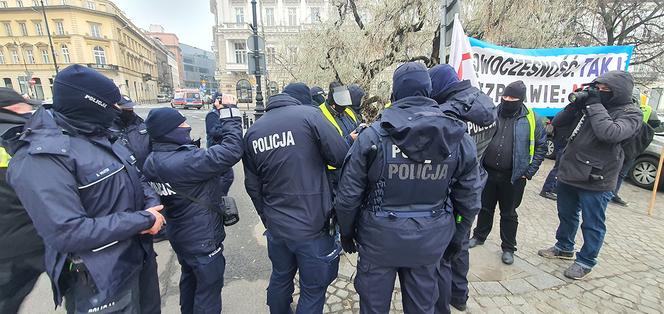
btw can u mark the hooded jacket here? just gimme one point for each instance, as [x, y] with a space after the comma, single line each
[17, 233]
[89, 201]
[135, 136]
[285, 158]
[594, 155]
[214, 132]
[301, 92]
[396, 166]
[194, 228]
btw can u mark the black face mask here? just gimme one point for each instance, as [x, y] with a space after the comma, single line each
[127, 116]
[510, 107]
[180, 136]
[606, 98]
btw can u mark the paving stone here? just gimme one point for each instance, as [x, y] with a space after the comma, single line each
[343, 294]
[336, 307]
[486, 302]
[518, 286]
[516, 300]
[489, 288]
[544, 281]
[623, 302]
[333, 299]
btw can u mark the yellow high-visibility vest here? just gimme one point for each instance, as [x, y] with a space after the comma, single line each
[328, 115]
[4, 158]
[530, 116]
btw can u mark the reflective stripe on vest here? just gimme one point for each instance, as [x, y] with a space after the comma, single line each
[647, 111]
[4, 158]
[531, 122]
[329, 117]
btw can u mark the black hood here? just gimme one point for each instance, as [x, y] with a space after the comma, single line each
[281, 100]
[421, 130]
[621, 84]
[299, 91]
[9, 119]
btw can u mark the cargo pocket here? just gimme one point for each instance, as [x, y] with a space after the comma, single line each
[589, 169]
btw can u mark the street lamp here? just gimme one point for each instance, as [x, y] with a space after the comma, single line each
[259, 95]
[50, 40]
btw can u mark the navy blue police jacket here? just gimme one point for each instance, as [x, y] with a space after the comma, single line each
[286, 154]
[86, 198]
[135, 136]
[400, 181]
[194, 228]
[214, 133]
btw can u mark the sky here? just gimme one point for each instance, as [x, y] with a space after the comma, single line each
[191, 20]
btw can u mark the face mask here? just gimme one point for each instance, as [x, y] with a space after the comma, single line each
[606, 98]
[127, 116]
[178, 136]
[511, 107]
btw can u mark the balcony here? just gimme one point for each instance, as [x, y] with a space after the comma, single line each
[110, 67]
[236, 67]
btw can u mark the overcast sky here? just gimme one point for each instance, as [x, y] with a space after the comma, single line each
[191, 20]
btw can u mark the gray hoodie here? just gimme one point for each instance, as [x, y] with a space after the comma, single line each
[593, 159]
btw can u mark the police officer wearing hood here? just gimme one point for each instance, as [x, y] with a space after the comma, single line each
[590, 165]
[214, 131]
[299, 91]
[399, 183]
[286, 152]
[317, 95]
[89, 204]
[467, 103]
[187, 178]
[21, 249]
[130, 128]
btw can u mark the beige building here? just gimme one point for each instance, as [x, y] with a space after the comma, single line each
[93, 33]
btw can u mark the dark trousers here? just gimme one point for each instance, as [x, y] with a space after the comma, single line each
[375, 284]
[201, 282]
[551, 178]
[624, 172]
[452, 279]
[149, 286]
[81, 296]
[317, 271]
[592, 207]
[500, 190]
[18, 276]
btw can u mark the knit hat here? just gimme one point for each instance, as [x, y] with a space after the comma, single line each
[161, 121]
[516, 89]
[126, 103]
[411, 79]
[443, 76]
[299, 91]
[83, 94]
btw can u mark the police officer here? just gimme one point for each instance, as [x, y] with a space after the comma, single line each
[392, 202]
[21, 249]
[214, 133]
[356, 95]
[130, 128]
[187, 179]
[286, 152]
[467, 103]
[318, 96]
[88, 203]
[299, 91]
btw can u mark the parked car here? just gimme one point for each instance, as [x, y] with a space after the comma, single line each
[187, 98]
[163, 98]
[644, 171]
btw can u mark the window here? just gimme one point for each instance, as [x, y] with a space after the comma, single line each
[239, 15]
[100, 55]
[292, 16]
[3, 4]
[44, 54]
[8, 82]
[8, 29]
[35, 3]
[39, 90]
[24, 29]
[2, 56]
[95, 30]
[90, 5]
[65, 54]
[271, 55]
[38, 29]
[23, 84]
[19, 3]
[240, 53]
[64, 2]
[15, 59]
[59, 28]
[29, 56]
[269, 16]
[292, 54]
[315, 15]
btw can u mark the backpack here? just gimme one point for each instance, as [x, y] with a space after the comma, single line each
[638, 143]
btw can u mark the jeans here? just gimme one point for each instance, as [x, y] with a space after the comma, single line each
[592, 206]
[624, 172]
[499, 190]
[17, 278]
[317, 271]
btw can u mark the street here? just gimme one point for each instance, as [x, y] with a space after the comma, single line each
[629, 277]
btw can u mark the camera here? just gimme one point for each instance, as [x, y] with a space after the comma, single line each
[229, 207]
[579, 97]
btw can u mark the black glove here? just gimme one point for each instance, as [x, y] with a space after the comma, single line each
[348, 244]
[453, 249]
[593, 97]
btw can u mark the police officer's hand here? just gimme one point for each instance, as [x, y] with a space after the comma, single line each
[348, 244]
[354, 135]
[159, 220]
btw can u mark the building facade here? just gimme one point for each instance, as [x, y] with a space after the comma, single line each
[164, 70]
[199, 67]
[279, 23]
[172, 43]
[93, 33]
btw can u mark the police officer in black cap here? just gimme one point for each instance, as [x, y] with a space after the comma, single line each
[187, 179]
[399, 183]
[130, 128]
[86, 198]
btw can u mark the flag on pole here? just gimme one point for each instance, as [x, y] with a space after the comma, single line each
[461, 54]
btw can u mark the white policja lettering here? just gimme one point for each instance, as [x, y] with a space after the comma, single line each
[270, 142]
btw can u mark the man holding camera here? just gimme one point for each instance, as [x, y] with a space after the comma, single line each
[187, 179]
[214, 131]
[590, 164]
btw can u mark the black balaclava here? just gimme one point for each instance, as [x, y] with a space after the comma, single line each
[517, 90]
[127, 116]
[621, 84]
[179, 135]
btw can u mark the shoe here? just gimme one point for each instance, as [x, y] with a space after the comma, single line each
[508, 258]
[617, 200]
[549, 195]
[473, 242]
[577, 272]
[460, 307]
[554, 252]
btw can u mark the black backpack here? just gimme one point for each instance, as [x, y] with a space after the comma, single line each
[637, 144]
